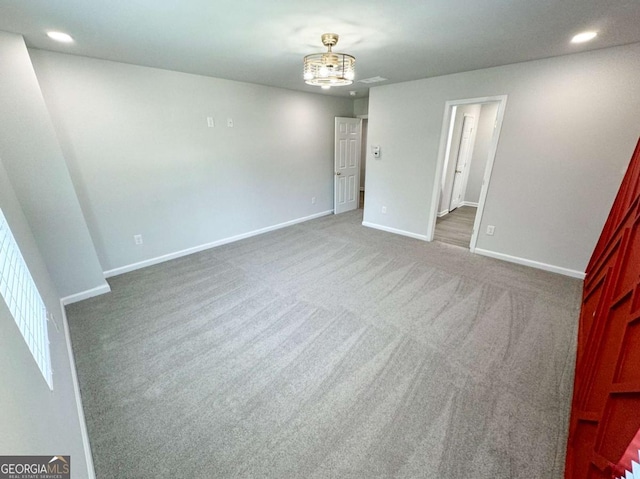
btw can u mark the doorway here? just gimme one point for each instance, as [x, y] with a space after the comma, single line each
[348, 142]
[470, 133]
[465, 148]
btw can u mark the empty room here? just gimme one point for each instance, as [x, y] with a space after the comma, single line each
[302, 240]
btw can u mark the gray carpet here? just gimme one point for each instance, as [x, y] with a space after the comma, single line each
[329, 350]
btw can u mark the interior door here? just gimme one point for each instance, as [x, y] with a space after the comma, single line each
[348, 137]
[605, 413]
[462, 162]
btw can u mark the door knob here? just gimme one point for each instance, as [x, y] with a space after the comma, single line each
[458, 171]
[338, 173]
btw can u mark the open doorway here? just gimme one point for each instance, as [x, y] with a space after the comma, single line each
[470, 133]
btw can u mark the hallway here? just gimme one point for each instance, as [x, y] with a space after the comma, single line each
[456, 227]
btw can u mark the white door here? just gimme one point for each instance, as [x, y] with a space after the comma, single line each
[464, 155]
[347, 165]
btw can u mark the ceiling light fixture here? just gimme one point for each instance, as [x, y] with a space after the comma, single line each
[584, 37]
[60, 37]
[329, 69]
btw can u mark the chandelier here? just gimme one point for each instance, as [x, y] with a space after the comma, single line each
[329, 69]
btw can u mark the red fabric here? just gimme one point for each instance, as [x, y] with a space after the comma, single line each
[605, 413]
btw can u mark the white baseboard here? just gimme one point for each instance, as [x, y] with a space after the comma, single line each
[533, 264]
[469, 203]
[213, 244]
[394, 230]
[442, 213]
[82, 295]
[76, 392]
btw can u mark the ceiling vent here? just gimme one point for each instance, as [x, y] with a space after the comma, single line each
[372, 80]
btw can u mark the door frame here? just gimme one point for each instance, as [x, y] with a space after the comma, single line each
[444, 137]
[363, 154]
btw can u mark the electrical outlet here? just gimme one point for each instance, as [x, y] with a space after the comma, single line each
[384, 210]
[230, 122]
[313, 200]
[137, 239]
[490, 230]
[211, 122]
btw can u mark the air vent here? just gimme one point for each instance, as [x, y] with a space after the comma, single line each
[372, 80]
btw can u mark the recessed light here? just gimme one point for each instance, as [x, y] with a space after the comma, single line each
[60, 37]
[584, 37]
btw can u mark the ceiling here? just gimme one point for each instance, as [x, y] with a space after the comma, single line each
[263, 41]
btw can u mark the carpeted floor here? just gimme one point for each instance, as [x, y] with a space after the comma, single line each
[329, 350]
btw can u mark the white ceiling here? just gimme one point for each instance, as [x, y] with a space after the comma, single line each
[263, 41]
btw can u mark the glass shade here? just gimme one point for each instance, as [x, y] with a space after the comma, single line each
[332, 69]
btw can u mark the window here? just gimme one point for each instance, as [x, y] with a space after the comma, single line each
[23, 300]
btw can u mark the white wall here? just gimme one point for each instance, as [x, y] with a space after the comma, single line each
[363, 153]
[570, 127]
[361, 106]
[143, 160]
[35, 420]
[38, 173]
[361, 109]
[38, 202]
[484, 134]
